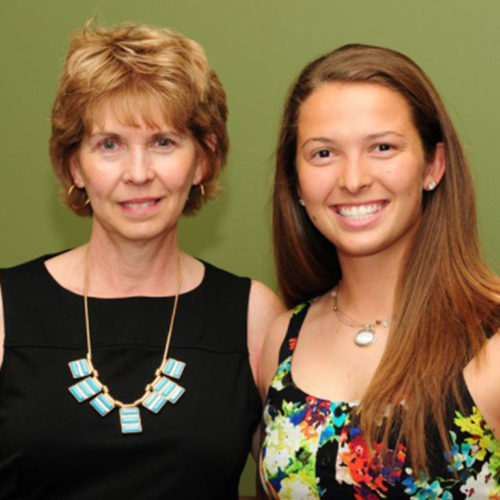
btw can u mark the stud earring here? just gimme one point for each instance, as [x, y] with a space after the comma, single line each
[432, 185]
[302, 202]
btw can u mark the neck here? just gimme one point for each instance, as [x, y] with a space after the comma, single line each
[368, 285]
[124, 268]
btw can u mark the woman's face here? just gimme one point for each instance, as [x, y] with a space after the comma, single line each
[361, 167]
[137, 178]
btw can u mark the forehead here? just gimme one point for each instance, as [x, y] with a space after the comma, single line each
[147, 111]
[360, 104]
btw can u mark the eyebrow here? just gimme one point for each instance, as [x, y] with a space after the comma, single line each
[100, 134]
[379, 135]
[155, 133]
[321, 140]
[370, 137]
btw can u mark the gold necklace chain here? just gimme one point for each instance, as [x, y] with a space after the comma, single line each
[156, 394]
[147, 389]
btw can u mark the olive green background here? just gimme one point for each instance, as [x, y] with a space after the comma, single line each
[257, 48]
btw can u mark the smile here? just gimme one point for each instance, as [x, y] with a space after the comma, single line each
[140, 204]
[359, 212]
[140, 207]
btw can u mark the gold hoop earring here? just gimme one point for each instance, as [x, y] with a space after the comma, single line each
[202, 190]
[68, 196]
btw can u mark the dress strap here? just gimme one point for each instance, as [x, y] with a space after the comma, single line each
[294, 326]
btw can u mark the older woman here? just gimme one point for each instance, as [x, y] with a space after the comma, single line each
[128, 365]
[384, 377]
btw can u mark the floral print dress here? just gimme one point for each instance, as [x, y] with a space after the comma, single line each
[312, 449]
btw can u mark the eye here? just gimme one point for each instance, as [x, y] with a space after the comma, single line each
[321, 156]
[108, 144]
[384, 147]
[322, 153]
[163, 142]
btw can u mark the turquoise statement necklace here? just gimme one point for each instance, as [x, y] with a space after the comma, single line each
[156, 394]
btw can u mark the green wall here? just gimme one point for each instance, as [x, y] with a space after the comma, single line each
[257, 48]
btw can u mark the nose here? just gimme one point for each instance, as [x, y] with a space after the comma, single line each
[139, 168]
[354, 174]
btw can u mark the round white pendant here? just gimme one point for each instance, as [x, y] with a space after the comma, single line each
[364, 337]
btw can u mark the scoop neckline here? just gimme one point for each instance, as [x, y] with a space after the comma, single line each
[56, 283]
[318, 398]
[465, 389]
[304, 311]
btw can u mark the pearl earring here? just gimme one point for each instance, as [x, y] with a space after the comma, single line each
[302, 202]
[431, 185]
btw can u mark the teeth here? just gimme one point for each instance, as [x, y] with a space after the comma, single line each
[143, 204]
[359, 211]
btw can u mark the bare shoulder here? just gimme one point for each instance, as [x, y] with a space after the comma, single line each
[2, 328]
[264, 303]
[487, 363]
[271, 349]
[482, 375]
[263, 307]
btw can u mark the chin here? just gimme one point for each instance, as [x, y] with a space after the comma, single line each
[143, 234]
[358, 248]
[358, 252]
[392, 247]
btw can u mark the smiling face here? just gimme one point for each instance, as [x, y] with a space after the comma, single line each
[361, 167]
[137, 178]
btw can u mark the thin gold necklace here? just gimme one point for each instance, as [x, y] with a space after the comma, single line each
[366, 335]
[156, 394]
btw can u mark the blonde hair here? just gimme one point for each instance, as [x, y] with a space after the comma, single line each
[139, 70]
[446, 299]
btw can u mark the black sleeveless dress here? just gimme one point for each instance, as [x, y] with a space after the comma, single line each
[52, 447]
[313, 449]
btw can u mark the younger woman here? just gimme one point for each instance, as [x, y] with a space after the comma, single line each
[385, 376]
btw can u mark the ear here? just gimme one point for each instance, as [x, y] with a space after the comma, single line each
[76, 173]
[436, 168]
[299, 194]
[211, 141]
[200, 170]
[202, 165]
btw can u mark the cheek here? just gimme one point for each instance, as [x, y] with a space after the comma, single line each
[406, 181]
[411, 192]
[179, 175]
[179, 181]
[313, 187]
[100, 183]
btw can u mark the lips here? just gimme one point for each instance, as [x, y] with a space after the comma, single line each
[139, 203]
[359, 211]
[140, 207]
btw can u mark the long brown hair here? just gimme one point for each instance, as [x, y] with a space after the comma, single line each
[446, 297]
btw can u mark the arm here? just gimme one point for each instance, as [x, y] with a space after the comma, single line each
[482, 376]
[263, 307]
[267, 368]
[270, 352]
